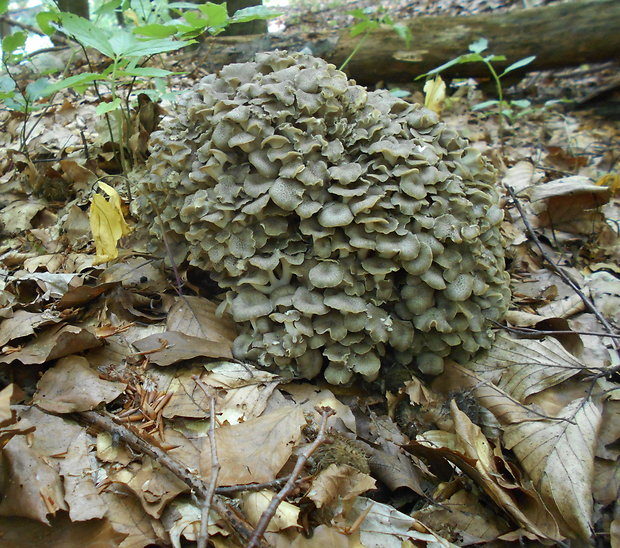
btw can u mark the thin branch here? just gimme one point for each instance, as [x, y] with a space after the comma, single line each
[203, 537]
[533, 331]
[268, 514]
[197, 486]
[30, 28]
[589, 304]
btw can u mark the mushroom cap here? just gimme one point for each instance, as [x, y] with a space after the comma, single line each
[346, 227]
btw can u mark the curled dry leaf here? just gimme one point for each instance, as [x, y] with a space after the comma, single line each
[337, 483]
[23, 324]
[56, 342]
[72, 385]
[559, 458]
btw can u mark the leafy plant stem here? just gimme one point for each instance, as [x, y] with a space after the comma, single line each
[355, 50]
[500, 102]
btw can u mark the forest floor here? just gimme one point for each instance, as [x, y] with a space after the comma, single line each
[109, 372]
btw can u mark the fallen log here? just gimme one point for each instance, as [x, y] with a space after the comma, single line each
[560, 35]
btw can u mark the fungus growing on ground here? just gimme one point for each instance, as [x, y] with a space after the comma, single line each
[348, 228]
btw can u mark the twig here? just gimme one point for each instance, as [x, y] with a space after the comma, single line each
[203, 537]
[533, 331]
[197, 486]
[268, 514]
[589, 304]
[230, 489]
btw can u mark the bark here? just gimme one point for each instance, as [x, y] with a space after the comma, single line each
[560, 35]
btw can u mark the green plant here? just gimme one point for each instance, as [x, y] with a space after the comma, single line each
[505, 109]
[23, 99]
[156, 27]
[367, 24]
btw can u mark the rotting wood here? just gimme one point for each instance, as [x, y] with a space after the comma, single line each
[560, 35]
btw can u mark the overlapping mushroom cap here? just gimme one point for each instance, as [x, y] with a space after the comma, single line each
[348, 227]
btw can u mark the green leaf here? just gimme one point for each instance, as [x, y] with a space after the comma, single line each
[4, 5]
[14, 41]
[108, 8]
[86, 33]
[155, 30]
[521, 103]
[363, 26]
[37, 89]
[104, 108]
[494, 58]
[519, 64]
[252, 13]
[15, 102]
[438, 69]
[471, 58]
[403, 32]
[75, 81]
[479, 45]
[145, 72]
[359, 13]
[127, 45]
[7, 84]
[44, 18]
[485, 104]
[216, 14]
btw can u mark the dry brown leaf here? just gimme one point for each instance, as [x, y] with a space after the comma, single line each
[172, 346]
[61, 340]
[256, 450]
[255, 503]
[326, 537]
[241, 392]
[525, 367]
[81, 495]
[34, 489]
[559, 458]
[127, 516]
[463, 517]
[520, 176]
[309, 396]
[23, 324]
[72, 385]
[337, 483]
[196, 316]
[8, 395]
[63, 533]
[154, 486]
[386, 527]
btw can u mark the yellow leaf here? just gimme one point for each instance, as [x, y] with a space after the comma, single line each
[107, 224]
[610, 180]
[435, 91]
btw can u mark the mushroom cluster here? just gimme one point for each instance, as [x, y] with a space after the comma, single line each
[347, 227]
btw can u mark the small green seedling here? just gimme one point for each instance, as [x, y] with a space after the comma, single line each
[505, 109]
[367, 24]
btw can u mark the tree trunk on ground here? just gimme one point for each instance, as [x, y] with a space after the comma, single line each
[257, 26]
[559, 35]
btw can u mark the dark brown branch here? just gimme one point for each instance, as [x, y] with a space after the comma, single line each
[268, 514]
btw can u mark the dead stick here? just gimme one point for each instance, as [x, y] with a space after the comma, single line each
[106, 423]
[268, 514]
[589, 304]
[203, 537]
